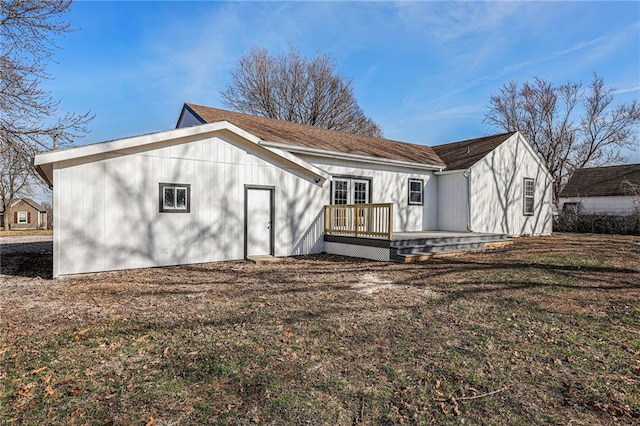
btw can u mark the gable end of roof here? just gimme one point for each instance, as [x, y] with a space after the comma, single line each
[464, 154]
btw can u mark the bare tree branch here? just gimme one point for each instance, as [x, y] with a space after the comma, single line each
[297, 89]
[562, 136]
[30, 118]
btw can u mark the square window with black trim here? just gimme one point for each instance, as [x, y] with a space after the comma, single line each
[529, 196]
[175, 198]
[416, 192]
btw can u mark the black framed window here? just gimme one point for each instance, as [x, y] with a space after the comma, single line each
[571, 208]
[416, 192]
[175, 198]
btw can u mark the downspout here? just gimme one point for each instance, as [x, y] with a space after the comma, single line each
[467, 175]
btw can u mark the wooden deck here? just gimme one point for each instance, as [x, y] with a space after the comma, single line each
[412, 246]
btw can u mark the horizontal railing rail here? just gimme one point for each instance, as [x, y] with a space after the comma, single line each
[359, 220]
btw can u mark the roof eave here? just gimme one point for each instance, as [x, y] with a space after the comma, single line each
[451, 172]
[353, 157]
[47, 159]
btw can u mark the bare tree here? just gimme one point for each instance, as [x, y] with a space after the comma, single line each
[49, 209]
[31, 120]
[633, 190]
[15, 180]
[568, 126]
[297, 89]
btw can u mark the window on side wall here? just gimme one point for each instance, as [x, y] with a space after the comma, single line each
[529, 196]
[571, 208]
[175, 198]
[22, 217]
[416, 192]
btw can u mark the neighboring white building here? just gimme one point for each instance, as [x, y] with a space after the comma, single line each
[612, 190]
[225, 186]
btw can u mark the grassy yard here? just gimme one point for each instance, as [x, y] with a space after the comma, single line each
[546, 331]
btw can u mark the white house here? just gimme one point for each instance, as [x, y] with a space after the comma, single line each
[612, 190]
[225, 186]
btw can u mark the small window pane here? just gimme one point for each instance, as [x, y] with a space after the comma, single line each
[340, 192]
[181, 198]
[415, 191]
[169, 194]
[22, 217]
[175, 198]
[529, 196]
[360, 192]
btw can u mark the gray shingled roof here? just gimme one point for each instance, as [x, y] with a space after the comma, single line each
[602, 181]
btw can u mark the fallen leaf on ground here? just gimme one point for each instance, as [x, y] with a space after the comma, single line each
[25, 390]
[39, 370]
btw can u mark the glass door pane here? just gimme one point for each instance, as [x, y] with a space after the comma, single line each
[340, 191]
[360, 191]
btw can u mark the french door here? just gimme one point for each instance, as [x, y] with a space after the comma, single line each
[350, 191]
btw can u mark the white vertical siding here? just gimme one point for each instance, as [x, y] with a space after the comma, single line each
[452, 202]
[390, 184]
[430, 209]
[497, 203]
[618, 205]
[107, 209]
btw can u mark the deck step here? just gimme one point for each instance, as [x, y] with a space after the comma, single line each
[432, 248]
[477, 238]
[260, 260]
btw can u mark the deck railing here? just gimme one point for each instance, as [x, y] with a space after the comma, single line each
[359, 220]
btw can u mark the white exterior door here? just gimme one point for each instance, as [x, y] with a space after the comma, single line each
[258, 218]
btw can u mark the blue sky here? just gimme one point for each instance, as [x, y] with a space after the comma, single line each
[423, 70]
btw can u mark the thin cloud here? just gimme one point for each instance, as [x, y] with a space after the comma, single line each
[628, 90]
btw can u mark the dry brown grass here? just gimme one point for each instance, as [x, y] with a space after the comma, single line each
[544, 331]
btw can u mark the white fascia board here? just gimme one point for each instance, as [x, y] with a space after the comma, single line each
[138, 141]
[354, 157]
[44, 161]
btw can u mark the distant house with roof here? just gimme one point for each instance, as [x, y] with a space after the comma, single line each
[225, 186]
[25, 214]
[612, 190]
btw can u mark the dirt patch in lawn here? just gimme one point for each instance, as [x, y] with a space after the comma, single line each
[544, 331]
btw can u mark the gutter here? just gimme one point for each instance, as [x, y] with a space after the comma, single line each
[346, 156]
